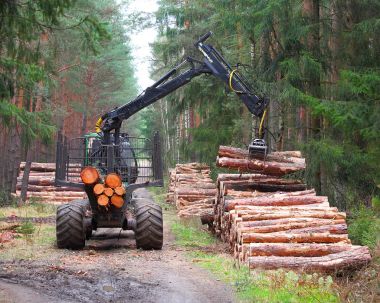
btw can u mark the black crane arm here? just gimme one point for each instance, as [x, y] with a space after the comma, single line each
[213, 63]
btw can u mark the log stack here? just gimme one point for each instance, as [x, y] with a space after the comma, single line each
[108, 193]
[192, 190]
[274, 222]
[41, 184]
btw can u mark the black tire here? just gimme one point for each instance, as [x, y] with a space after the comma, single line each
[149, 228]
[70, 227]
[85, 204]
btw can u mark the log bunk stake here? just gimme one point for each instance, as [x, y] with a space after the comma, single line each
[274, 222]
[192, 190]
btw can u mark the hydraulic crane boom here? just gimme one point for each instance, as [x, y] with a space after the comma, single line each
[213, 63]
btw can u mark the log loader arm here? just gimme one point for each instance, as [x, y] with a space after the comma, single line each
[214, 64]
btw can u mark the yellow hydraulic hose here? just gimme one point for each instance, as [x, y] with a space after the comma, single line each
[98, 125]
[261, 124]
[230, 82]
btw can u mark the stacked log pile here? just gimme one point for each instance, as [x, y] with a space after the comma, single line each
[108, 193]
[192, 190]
[273, 222]
[41, 184]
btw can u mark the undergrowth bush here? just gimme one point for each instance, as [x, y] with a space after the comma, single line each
[27, 228]
[364, 227]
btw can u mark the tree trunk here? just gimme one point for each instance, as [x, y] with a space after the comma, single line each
[25, 177]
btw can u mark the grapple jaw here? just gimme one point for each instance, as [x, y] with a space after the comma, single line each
[258, 149]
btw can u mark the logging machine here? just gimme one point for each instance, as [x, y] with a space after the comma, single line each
[129, 163]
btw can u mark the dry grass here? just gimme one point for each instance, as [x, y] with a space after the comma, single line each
[362, 285]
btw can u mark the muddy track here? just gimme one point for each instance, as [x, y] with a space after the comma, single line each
[111, 269]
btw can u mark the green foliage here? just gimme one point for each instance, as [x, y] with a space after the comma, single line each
[33, 125]
[191, 236]
[27, 228]
[376, 204]
[364, 227]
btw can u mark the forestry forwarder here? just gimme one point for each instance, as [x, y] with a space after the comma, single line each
[135, 161]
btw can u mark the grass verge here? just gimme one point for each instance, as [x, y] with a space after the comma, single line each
[34, 209]
[253, 286]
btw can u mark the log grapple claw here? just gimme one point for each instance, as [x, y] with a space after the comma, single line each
[258, 148]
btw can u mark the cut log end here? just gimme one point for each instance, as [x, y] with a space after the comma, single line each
[89, 175]
[98, 189]
[103, 200]
[113, 180]
[108, 191]
[117, 201]
[120, 190]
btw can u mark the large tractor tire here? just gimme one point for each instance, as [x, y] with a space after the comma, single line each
[85, 204]
[149, 226]
[70, 225]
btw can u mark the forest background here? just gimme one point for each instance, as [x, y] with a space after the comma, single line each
[64, 62]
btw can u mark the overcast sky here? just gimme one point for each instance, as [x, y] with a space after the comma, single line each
[141, 51]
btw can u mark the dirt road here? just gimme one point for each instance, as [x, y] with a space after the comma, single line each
[110, 269]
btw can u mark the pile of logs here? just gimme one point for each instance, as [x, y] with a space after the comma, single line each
[41, 184]
[273, 222]
[108, 193]
[192, 190]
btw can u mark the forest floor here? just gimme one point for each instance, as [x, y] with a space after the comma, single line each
[193, 266]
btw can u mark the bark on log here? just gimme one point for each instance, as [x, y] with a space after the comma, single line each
[274, 201]
[184, 191]
[354, 258]
[43, 167]
[332, 229]
[238, 153]
[264, 167]
[283, 214]
[53, 199]
[289, 221]
[290, 226]
[53, 194]
[37, 188]
[39, 181]
[295, 249]
[264, 186]
[318, 206]
[293, 238]
[242, 177]
[185, 202]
